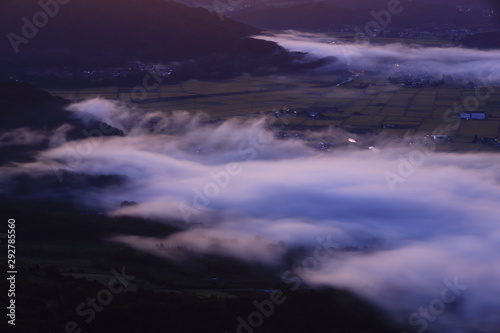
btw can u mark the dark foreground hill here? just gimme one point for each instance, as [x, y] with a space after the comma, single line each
[30, 117]
[89, 35]
[64, 261]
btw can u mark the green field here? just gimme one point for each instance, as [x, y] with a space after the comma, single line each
[380, 108]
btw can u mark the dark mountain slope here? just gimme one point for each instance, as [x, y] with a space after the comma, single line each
[94, 34]
[25, 105]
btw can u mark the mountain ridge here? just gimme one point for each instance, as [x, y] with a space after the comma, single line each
[92, 35]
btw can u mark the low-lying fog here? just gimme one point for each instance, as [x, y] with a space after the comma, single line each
[395, 59]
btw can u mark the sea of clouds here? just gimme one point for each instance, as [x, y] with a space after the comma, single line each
[258, 196]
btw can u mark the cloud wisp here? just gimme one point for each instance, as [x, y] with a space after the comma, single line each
[394, 59]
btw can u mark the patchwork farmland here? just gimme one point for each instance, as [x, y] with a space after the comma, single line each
[367, 104]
